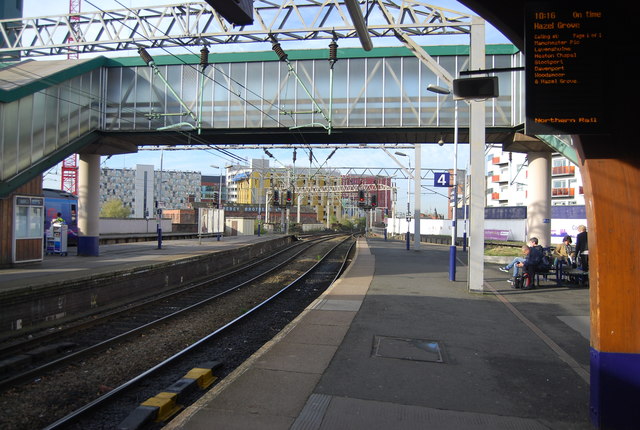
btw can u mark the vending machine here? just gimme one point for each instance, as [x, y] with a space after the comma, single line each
[57, 239]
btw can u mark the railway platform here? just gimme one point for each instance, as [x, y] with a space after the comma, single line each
[62, 286]
[395, 345]
[57, 268]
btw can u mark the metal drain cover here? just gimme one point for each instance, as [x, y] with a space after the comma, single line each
[407, 349]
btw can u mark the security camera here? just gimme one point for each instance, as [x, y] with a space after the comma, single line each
[441, 142]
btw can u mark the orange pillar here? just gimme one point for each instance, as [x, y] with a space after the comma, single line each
[612, 189]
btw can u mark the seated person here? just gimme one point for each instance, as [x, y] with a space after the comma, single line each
[563, 252]
[533, 242]
[513, 265]
[533, 260]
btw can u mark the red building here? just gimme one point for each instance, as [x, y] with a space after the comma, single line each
[384, 196]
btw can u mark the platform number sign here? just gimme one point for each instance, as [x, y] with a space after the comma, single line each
[441, 179]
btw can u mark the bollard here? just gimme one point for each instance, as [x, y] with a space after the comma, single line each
[452, 263]
[385, 234]
[408, 241]
[464, 241]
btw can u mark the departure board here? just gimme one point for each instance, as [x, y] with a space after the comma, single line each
[566, 68]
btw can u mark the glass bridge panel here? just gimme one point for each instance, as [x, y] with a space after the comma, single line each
[368, 92]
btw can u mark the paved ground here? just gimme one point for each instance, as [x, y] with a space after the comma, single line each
[395, 344]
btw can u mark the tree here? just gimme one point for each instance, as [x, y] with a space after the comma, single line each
[114, 209]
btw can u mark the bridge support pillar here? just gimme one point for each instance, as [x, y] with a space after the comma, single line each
[477, 164]
[89, 205]
[539, 197]
[417, 191]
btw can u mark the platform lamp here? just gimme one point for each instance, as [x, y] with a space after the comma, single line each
[402, 154]
[219, 184]
[454, 216]
[219, 193]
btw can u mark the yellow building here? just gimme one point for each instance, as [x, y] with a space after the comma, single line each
[258, 185]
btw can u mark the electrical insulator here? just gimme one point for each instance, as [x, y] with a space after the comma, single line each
[333, 53]
[204, 57]
[279, 51]
[276, 197]
[148, 59]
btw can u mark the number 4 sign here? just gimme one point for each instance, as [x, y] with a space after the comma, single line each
[441, 179]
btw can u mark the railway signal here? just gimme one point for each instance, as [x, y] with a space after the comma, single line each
[288, 198]
[361, 201]
[276, 197]
[374, 200]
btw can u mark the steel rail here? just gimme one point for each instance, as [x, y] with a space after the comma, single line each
[38, 339]
[61, 423]
[29, 374]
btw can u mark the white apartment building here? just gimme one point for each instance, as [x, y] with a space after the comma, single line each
[507, 179]
[140, 188]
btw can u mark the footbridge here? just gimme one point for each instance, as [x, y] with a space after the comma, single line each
[98, 105]
[51, 109]
[271, 92]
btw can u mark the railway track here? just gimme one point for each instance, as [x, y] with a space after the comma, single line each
[237, 305]
[33, 354]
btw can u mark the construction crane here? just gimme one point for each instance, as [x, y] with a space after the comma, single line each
[69, 176]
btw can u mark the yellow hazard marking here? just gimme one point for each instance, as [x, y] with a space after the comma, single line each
[166, 404]
[204, 377]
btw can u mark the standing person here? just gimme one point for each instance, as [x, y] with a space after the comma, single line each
[58, 219]
[582, 245]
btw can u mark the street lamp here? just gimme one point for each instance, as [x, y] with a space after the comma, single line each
[454, 216]
[219, 198]
[159, 205]
[219, 184]
[402, 154]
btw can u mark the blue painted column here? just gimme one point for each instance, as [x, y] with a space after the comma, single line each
[89, 205]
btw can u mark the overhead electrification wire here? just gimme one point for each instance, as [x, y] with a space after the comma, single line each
[82, 93]
[200, 71]
[298, 134]
[73, 90]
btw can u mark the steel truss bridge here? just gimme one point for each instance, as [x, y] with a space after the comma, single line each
[111, 106]
[196, 24]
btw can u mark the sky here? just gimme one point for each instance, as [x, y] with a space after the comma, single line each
[433, 156]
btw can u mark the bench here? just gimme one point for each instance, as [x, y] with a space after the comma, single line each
[576, 276]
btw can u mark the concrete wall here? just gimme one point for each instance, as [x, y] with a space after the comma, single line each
[312, 227]
[239, 226]
[53, 303]
[132, 225]
[495, 229]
